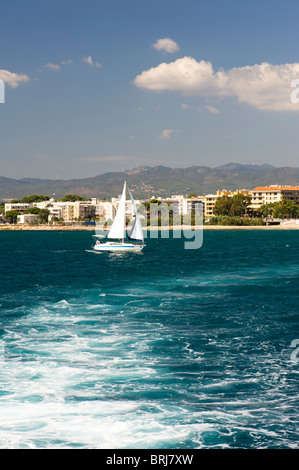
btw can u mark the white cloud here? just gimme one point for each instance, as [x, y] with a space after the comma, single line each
[212, 109]
[263, 86]
[52, 66]
[166, 134]
[167, 45]
[89, 60]
[68, 61]
[184, 75]
[13, 79]
[188, 106]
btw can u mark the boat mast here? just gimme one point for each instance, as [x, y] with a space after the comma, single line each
[125, 187]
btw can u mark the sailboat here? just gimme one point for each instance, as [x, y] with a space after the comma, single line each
[118, 228]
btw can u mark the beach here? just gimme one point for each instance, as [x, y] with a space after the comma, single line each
[284, 226]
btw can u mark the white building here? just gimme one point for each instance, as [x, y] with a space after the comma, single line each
[73, 211]
[129, 206]
[179, 199]
[43, 204]
[16, 206]
[55, 212]
[275, 193]
[105, 209]
[27, 218]
[193, 204]
[186, 205]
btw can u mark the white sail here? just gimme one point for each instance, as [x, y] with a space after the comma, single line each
[119, 224]
[118, 229]
[136, 232]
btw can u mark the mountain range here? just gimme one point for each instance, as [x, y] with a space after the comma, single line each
[147, 182]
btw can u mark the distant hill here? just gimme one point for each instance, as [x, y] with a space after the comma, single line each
[156, 181]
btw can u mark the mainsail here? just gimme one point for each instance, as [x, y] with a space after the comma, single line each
[118, 230]
[136, 232]
[119, 224]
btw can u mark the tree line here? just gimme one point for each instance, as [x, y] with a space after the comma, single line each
[41, 198]
[238, 205]
[227, 210]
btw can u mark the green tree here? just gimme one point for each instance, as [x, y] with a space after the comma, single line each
[43, 214]
[285, 209]
[266, 210]
[223, 205]
[34, 198]
[72, 198]
[32, 210]
[148, 209]
[236, 205]
[280, 210]
[239, 205]
[12, 216]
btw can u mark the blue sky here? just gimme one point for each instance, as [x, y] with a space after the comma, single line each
[106, 85]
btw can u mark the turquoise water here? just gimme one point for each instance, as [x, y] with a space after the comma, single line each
[169, 348]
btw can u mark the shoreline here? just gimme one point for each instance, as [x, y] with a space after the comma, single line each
[287, 226]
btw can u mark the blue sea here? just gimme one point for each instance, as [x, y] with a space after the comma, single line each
[170, 348]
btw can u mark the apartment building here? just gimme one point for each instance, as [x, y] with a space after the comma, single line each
[129, 211]
[181, 205]
[275, 193]
[187, 205]
[72, 211]
[105, 209]
[210, 199]
[16, 206]
[27, 218]
[194, 205]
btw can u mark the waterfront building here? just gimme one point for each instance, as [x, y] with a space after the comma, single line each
[43, 204]
[105, 209]
[187, 205]
[192, 205]
[17, 206]
[129, 212]
[73, 211]
[55, 212]
[179, 204]
[27, 218]
[275, 193]
[210, 199]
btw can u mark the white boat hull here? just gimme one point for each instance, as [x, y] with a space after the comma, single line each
[110, 246]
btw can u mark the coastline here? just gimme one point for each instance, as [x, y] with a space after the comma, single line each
[287, 226]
